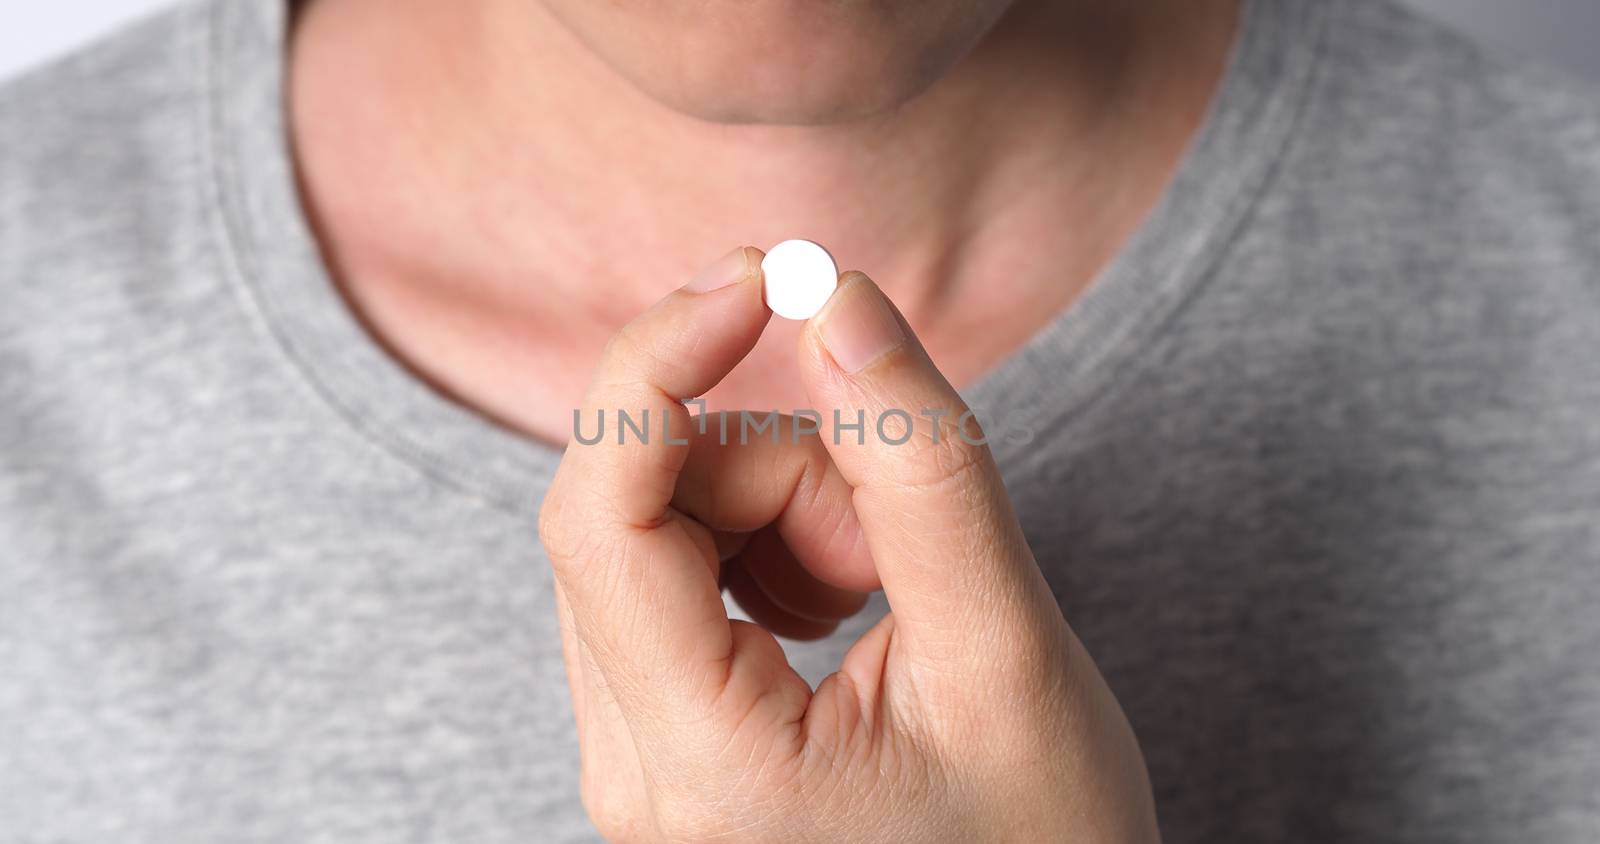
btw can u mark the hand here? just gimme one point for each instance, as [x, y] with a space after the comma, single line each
[969, 713]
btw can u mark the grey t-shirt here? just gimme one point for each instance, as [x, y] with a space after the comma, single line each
[1315, 471]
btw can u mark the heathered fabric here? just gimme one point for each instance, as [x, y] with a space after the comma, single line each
[1315, 473]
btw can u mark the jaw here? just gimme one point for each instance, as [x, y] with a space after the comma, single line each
[791, 62]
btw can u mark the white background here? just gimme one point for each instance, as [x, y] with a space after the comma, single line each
[1560, 32]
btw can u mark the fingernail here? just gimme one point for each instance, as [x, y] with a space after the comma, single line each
[729, 269]
[857, 326]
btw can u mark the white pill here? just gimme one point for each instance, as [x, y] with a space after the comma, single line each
[800, 276]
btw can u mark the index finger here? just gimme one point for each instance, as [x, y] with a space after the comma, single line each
[637, 576]
[677, 350]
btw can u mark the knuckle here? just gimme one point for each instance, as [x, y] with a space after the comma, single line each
[937, 459]
[677, 823]
[614, 813]
[561, 538]
[634, 355]
[625, 345]
[695, 821]
[569, 532]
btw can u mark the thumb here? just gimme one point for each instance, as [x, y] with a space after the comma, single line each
[929, 497]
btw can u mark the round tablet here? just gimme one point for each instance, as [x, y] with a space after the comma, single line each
[799, 277]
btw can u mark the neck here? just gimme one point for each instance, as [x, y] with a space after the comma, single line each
[525, 201]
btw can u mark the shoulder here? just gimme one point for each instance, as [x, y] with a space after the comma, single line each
[94, 144]
[1431, 226]
[101, 160]
[1424, 162]
[105, 238]
[1396, 88]
[106, 106]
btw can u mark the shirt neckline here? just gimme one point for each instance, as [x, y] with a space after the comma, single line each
[277, 264]
[1099, 340]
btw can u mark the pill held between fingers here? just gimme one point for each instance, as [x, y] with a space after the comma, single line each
[799, 277]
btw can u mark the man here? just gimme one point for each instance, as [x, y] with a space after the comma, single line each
[1281, 316]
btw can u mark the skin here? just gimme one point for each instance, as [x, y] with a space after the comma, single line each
[798, 62]
[547, 170]
[527, 200]
[970, 713]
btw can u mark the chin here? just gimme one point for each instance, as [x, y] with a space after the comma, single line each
[792, 62]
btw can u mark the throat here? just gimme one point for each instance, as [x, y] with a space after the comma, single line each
[526, 203]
